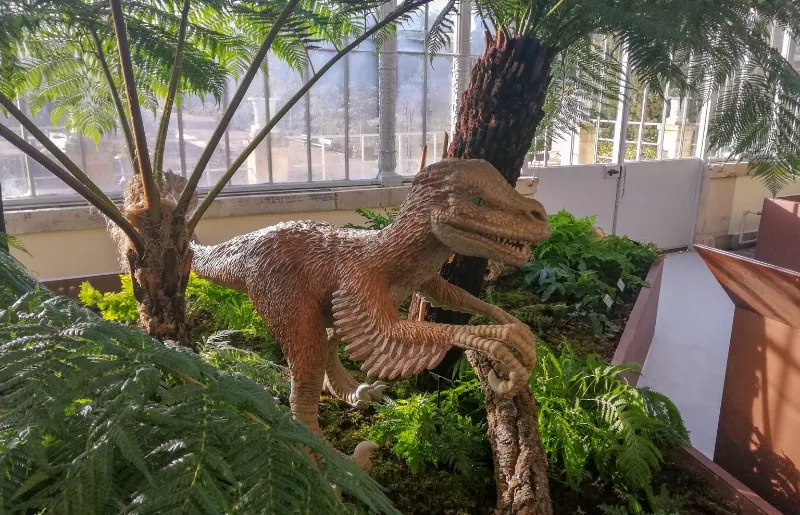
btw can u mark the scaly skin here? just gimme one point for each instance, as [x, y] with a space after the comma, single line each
[307, 277]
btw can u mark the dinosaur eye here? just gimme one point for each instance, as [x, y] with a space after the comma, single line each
[478, 201]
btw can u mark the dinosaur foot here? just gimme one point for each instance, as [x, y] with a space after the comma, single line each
[366, 393]
[362, 455]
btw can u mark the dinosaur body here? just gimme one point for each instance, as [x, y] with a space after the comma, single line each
[316, 284]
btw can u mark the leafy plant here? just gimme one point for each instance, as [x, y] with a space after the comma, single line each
[593, 423]
[227, 308]
[8, 241]
[118, 306]
[579, 267]
[424, 433]
[96, 417]
[375, 221]
[217, 350]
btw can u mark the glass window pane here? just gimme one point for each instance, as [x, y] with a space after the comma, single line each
[12, 164]
[363, 109]
[411, 34]
[249, 118]
[200, 118]
[434, 8]
[477, 37]
[327, 120]
[289, 158]
[440, 87]
[408, 119]
[45, 182]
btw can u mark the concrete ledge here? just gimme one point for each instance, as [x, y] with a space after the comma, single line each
[30, 221]
[83, 217]
[634, 345]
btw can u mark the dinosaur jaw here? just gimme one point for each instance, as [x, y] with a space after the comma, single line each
[508, 250]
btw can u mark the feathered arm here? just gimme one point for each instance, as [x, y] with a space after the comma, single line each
[365, 318]
[442, 294]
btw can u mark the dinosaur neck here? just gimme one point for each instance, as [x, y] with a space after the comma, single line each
[415, 253]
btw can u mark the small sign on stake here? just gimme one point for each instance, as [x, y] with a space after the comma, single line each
[608, 300]
[621, 284]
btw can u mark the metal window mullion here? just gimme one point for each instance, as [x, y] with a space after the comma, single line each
[600, 101]
[621, 131]
[308, 129]
[641, 125]
[663, 126]
[346, 73]
[623, 110]
[82, 150]
[425, 81]
[267, 116]
[684, 115]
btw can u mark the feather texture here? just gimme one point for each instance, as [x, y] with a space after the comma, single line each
[384, 357]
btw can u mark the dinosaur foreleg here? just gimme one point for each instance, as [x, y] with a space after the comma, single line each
[370, 324]
[449, 296]
[342, 385]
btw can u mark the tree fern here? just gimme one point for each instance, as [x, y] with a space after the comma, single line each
[592, 422]
[96, 417]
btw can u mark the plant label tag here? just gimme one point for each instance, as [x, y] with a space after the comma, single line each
[608, 301]
[621, 285]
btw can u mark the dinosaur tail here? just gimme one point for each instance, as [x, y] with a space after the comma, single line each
[222, 264]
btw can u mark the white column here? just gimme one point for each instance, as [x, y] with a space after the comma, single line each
[387, 102]
[621, 131]
[461, 52]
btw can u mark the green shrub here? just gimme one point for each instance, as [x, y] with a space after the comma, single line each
[96, 417]
[578, 267]
[375, 221]
[422, 433]
[118, 306]
[594, 424]
[228, 309]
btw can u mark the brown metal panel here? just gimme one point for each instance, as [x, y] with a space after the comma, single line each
[768, 290]
[758, 438]
[779, 233]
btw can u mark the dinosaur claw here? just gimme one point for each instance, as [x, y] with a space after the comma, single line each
[362, 455]
[363, 392]
[376, 390]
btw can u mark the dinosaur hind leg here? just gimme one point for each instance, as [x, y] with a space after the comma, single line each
[304, 343]
[342, 385]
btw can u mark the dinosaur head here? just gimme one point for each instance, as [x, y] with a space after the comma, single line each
[475, 212]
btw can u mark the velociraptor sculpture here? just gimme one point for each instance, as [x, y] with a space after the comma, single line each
[316, 284]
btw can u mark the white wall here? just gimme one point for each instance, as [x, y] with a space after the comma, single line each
[659, 201]
[585, 190]
[750, 193]
[657, 204]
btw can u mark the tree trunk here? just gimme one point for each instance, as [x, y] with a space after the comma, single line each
[497, 120]
[160, 277]
[3, 243]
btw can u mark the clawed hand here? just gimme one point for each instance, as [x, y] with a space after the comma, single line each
[512, 347]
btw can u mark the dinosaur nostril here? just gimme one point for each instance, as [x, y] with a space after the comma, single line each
[539, 215]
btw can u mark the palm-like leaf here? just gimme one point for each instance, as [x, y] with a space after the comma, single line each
[100, 418]
[696, 47]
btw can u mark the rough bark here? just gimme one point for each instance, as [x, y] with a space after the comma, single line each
[497, 120]
[3, 243]
[160, 276]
